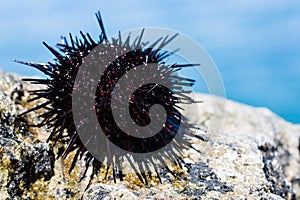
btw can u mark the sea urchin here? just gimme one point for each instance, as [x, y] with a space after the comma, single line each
[125, 56]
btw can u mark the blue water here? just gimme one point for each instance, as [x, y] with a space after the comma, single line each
[256, 45]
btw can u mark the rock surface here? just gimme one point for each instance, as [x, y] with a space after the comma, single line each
[256, 155]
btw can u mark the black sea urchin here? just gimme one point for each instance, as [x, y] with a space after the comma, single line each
[59, 115]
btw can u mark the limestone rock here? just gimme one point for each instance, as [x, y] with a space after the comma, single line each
[253, 154]
[22, 162]
[277, 141]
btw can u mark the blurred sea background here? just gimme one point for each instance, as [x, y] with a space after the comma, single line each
[255, 44]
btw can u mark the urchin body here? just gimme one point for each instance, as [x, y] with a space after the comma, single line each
[60, 85]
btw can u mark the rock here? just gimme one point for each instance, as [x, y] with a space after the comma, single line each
[254, 154]
[21, 163]
[276, 140]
